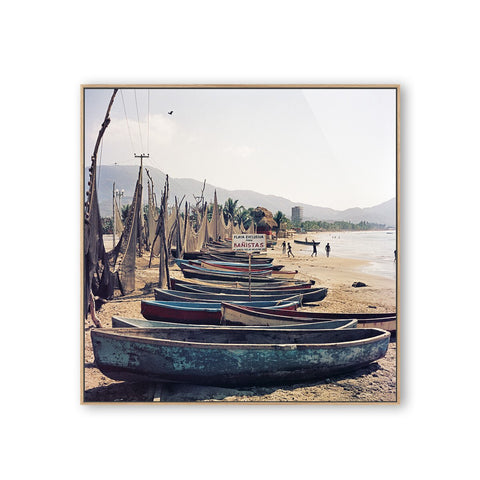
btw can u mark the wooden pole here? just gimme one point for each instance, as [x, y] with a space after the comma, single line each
[250, 276]
[142, 226]
[113, 217]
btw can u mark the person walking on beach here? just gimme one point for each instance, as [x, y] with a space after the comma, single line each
[289, 250]
[284, 247]
[327, 249]
[314, 249]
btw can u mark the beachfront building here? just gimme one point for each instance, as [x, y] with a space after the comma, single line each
[297, 215]
[264, 221]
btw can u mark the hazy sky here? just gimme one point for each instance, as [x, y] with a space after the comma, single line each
[327, 147]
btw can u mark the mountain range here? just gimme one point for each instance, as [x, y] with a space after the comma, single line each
[126, 176]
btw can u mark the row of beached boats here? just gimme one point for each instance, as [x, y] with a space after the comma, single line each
[232, 332]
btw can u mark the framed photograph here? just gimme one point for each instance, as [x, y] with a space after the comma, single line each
[240, 243]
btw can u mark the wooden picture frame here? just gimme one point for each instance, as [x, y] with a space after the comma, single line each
[282, 126]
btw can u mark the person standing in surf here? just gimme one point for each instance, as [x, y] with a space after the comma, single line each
[327, 249]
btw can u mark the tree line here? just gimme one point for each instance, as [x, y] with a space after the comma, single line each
[340, 225]
[245, 216]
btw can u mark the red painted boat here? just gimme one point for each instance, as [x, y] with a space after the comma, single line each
[200, 312]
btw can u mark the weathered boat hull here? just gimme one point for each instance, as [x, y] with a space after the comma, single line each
[243, 315]
[237, 270]
[122, 322]
[199, 313]
[385, 321]
[191, 271]
[176, 296]
[309, 295]
[235, 267]
[278, 285]
[230, 270]
[288, 274]
[301, 242]
[189, 287]
[209, 356]
[240, 259]
[237, 257]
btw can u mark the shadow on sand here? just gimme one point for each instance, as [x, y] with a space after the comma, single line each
[127, 392]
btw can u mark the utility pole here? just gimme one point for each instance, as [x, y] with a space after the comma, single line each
[113, 215]
[142, 225]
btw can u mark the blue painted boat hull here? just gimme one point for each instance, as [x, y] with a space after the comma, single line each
[309, 295]
[209, 356]
[176, 296]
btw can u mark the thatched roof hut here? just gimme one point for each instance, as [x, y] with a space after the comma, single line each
[264, 220]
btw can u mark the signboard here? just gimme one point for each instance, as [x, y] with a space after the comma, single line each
[249, 242]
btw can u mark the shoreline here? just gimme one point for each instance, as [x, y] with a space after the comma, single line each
[382, 264]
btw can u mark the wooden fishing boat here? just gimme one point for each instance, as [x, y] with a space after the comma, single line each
[198, 272]
[264, 269]
[309, 295]
[234, 263]
[212, 356]
[290, 274]
[176, 296]
[198, 312]
[302, 242]
[385, 321]
[254, 273]
[122, 322]
[244, 315]
[357, 315]
[213, 267]
[212, 264]
[236, 258]
[278, 285]
[186, 286]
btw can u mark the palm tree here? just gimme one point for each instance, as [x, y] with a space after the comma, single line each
[280, 218]
[243, 217]
[230, 209]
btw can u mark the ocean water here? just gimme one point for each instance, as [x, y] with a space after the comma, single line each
[375, 247]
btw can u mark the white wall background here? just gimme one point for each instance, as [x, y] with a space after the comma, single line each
[50, 48]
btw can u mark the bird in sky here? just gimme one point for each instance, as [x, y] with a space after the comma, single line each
[170, 112]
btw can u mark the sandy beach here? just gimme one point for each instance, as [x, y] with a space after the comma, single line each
[376, 383]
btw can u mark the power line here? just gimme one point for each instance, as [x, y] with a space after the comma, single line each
[126, 118]
[148, 121]
[138, 121]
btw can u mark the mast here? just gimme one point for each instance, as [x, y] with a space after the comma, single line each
[141, 237]
[95, 262]
[113, 214]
